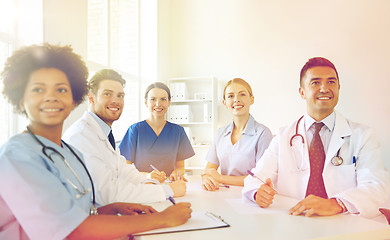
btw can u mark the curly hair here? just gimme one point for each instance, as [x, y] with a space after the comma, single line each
[26, 60]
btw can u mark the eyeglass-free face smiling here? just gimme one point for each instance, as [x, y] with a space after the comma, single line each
[157, 102]
[237, 99]
[48, 98]
[108, 102]
[320, 88]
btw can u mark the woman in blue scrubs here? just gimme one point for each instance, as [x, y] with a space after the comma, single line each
[156, 142]
[45, 190]
[238, 146]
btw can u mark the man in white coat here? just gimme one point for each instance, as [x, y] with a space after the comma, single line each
[351, 177]
[115, 180]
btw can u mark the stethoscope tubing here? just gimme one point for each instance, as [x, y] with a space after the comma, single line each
[44, 147]
[336, 160]
[296, 133]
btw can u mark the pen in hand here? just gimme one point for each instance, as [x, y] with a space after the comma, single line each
[154, 168]
[170, 198]
[158, 175]
[253, 175]
[179, 176]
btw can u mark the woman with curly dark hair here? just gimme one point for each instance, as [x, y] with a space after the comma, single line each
[45, 189]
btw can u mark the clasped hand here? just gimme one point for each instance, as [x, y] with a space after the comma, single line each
[314, 205]
[311, 205]
[210, 179]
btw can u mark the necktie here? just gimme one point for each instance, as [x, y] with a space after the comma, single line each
[111, 139]
[317, 160]
[385, 212]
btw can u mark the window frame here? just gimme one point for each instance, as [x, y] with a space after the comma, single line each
[9, 38]
[120, 126]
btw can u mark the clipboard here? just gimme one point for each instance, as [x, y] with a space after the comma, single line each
[198, 221]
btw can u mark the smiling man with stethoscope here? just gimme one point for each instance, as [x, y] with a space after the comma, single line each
[335, 167]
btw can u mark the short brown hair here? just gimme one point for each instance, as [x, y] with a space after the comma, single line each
[104, 74]
[316, 62]
[158, 85]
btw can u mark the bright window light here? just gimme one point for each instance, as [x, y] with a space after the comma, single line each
[113, 33]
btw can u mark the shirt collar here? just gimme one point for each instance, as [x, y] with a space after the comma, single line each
[229, 129]
[249, 128]
[106, 129]
[329, 121]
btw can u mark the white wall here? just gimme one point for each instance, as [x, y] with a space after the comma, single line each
[65, 22]
[267, 43]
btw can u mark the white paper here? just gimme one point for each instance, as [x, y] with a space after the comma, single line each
[244, 206]
[198, 221]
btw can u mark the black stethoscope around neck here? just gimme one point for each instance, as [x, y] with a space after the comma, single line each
[82, 191]
[336, 160]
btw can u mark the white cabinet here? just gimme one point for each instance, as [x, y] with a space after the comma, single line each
[194, 107]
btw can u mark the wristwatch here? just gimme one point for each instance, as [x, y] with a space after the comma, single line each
[341, 204]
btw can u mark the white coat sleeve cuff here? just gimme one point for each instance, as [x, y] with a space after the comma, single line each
[150, 180]
[349, 206]
[249, 195]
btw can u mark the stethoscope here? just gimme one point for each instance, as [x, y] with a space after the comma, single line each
[336, 160]
[82, 191]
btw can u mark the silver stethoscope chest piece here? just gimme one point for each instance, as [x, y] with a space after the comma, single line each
[337, 160]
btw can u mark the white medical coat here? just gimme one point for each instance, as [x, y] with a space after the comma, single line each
[115, 180]
[363, 188]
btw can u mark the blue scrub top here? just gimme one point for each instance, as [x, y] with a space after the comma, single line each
[143, 147]
[36, 199]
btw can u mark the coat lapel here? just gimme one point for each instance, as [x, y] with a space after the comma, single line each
[102, 137]
[341, 130]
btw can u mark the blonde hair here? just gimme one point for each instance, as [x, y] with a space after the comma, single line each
[239, 81]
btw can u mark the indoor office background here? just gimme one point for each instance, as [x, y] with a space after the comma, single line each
[264, 42]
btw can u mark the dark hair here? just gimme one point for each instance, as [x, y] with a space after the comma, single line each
[23, 62]
[158, 85]
[104, 74]
[316, 62]
[241, 82]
